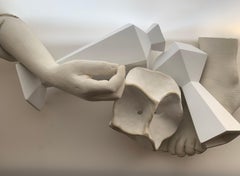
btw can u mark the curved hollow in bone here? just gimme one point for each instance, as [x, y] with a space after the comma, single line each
[150, 108]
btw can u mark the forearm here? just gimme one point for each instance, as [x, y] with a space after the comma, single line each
[18, 40]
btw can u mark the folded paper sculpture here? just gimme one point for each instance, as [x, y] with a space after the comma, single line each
[128, 45]
[212, 121]
[150, 108]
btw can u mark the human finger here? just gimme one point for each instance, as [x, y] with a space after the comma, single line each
[109, 96]
[117, 80]
[98, 69]
[94, 87]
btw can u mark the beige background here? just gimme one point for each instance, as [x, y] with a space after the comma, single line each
[71, 135]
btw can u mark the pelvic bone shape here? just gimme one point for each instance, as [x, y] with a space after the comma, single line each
[150, 109]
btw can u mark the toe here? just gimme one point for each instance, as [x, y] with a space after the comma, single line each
[190, 147]
[200, 148]
[180, 148]
[164, 145]
[171, 146]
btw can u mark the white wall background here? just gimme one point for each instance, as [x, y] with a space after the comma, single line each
[71, 135]
[82, 21]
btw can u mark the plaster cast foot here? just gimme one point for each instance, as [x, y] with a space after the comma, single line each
[220, 76]
[184, 141]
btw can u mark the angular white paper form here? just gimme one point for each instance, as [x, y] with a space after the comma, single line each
[213, 123]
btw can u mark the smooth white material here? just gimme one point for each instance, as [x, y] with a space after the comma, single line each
[127, 45]
[150, 109]
[33, 90]
[157, 42]
[209, 117]
[156, 38]
[185, 64]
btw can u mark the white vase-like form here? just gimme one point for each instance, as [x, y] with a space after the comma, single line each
[212, 121]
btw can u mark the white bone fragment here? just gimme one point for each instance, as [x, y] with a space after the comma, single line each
[150, 108]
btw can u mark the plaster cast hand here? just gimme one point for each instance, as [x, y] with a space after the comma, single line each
[184, 141]
[91, 80]
[76, 77]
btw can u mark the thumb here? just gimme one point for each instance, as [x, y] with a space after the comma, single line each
[99, 69]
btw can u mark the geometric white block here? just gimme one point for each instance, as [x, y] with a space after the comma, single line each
[185, 63]
[128, 45]
[157, 42]
[214, 124]
[156, 38]
[33, 90]
[150, 109]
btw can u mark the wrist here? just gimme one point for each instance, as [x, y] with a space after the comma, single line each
[47, 75]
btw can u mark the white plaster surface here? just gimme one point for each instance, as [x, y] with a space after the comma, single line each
[68, 136]
[150, 108]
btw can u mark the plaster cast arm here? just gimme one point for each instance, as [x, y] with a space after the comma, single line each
[76, 77]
